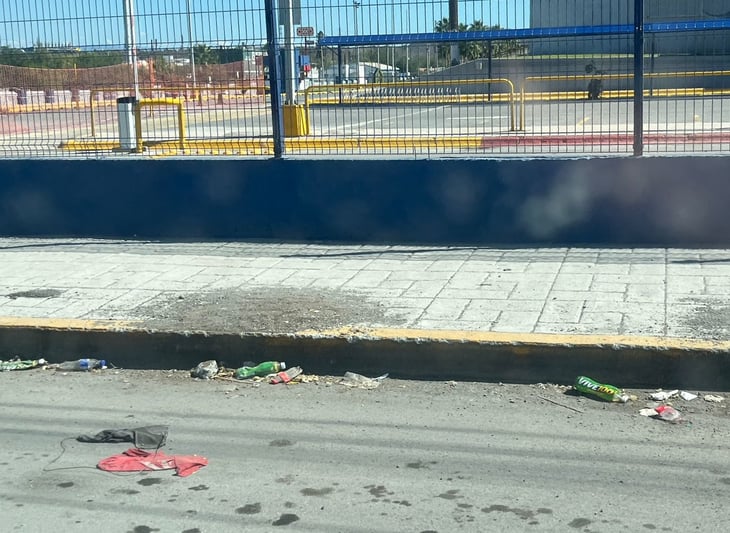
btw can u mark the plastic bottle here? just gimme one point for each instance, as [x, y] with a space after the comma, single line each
[262, 369]
[668, 413]
[600, 390]
[81, 365]
[17, 364]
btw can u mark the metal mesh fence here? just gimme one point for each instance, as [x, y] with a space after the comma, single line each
[393, 77]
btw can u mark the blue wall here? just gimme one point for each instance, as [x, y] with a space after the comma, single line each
[606, 201]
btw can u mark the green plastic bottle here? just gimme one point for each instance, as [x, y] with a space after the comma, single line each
[605, 392]
[262, 369]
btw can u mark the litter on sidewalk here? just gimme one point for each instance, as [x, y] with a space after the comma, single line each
[712, 398]
[205, 370]
[663, 412]
[662, 396]
[261, 370]
[21, 364]
[286, 376]
[143, 437]
[136, 460]
[351, 379]
[609, 393]
[81, 365]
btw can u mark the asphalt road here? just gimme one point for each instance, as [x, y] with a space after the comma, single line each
[42, 132]
[407, 456]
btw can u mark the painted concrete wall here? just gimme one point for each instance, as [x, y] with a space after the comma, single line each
[623, 201]
[516, 69]
[553, 13]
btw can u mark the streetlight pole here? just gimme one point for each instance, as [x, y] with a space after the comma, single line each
[130, 42]
[355, 5]
[190, 40]
[392, 30]
[454, 26]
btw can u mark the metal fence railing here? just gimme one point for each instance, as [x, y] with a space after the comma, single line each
[416, 77]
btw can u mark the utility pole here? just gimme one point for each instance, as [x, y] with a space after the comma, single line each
[190, 40]
[454, 26]
[355, 5]
[130, 42]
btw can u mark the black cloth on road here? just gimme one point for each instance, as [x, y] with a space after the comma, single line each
[144, 437]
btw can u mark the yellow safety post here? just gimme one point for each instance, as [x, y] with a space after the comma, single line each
[296, 120]
[522, 107]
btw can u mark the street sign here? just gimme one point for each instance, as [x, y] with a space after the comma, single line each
[305, 31]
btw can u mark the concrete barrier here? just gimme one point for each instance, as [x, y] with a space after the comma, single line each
[653, 201]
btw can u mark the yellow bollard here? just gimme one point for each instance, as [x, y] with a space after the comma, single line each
[296, 120]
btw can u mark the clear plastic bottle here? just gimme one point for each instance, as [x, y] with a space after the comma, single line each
[668, 413]
[81, 365]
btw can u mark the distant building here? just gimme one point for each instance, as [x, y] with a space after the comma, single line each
[555, 13]
[363, 72]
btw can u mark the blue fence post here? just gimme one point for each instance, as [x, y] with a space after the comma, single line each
[339, 70]
[638, 77]
[277, 116]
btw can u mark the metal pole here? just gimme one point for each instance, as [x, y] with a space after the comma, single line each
[190, 40]
[129, 36]
[355, 5]
[392, 31]
[638, 77]
[291, 92]
[127, 31]
[277, 116]
[454, 26]
[339, 70]
[489, 69]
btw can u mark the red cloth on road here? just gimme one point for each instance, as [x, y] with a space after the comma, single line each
[136, 460]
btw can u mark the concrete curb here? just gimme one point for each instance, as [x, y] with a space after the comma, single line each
[409, 354]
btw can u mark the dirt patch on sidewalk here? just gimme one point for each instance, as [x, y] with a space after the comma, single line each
[265, 310]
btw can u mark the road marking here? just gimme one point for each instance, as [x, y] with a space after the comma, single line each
[498, 117]
[342, 129]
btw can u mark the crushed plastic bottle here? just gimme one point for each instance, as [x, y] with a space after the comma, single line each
[261, 370]
[668, 413]
[81, 365]
[609, 393]
[21, 364]
[351, 379]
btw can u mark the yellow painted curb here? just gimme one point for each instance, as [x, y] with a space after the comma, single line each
[75, 324]
[544, 339]
[407, 334]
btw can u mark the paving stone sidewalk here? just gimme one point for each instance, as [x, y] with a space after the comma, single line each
[230, 286]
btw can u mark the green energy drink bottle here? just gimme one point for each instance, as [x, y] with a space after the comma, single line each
[262, 369]
[600, 390]
[17, 364]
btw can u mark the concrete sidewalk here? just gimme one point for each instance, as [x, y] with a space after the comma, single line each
[520, 314]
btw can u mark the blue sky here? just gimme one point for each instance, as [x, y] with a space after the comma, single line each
[230, 22]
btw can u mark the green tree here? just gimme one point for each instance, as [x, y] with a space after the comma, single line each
[204, 55]
[471, 50]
